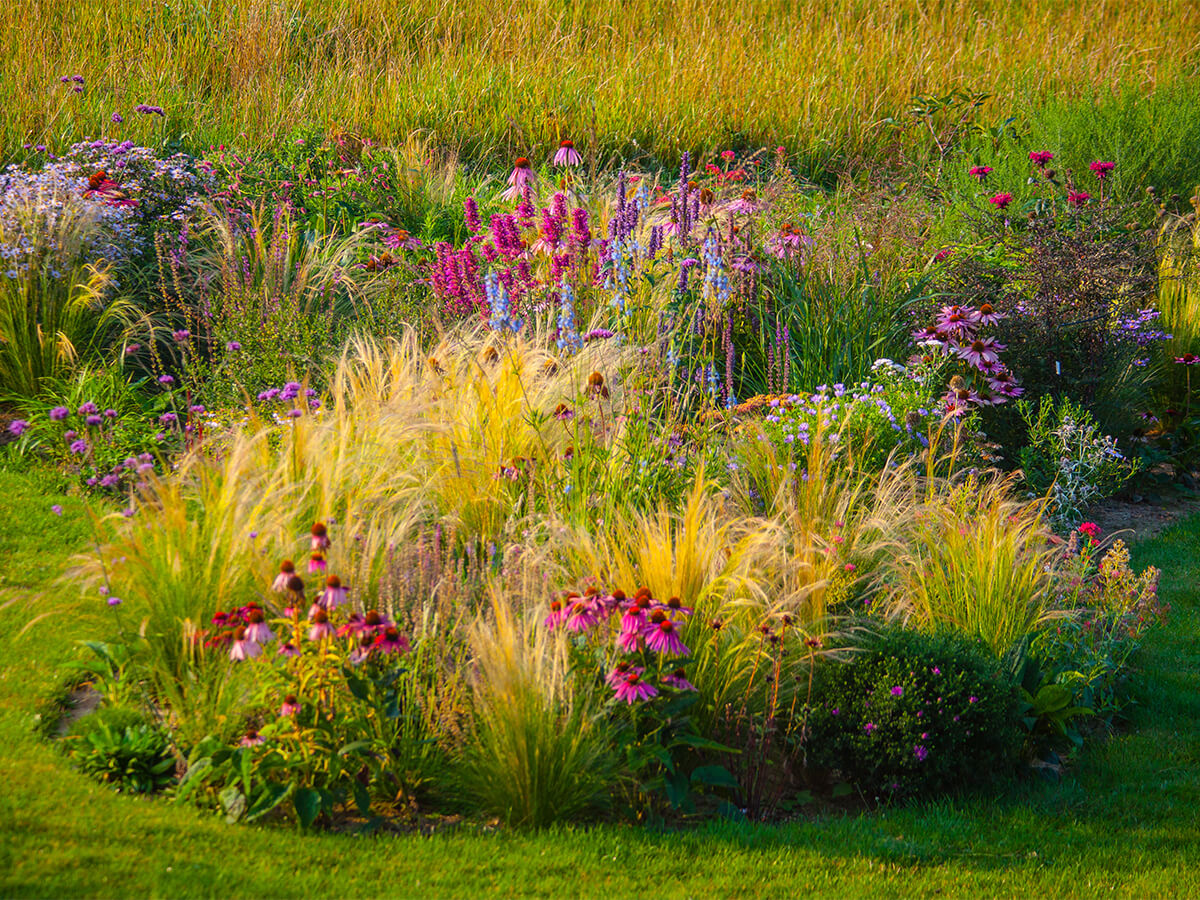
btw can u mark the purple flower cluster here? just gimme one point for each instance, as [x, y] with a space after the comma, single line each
[957, 332]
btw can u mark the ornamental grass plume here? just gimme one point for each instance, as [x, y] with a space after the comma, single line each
[538, 751]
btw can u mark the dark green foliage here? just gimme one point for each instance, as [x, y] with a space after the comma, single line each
[119, 747]
[913, 713]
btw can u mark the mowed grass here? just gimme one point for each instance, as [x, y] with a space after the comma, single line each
[1124, 822]
[494, 77]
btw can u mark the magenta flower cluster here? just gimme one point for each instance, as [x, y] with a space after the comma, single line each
[957, 331]
[639, 626]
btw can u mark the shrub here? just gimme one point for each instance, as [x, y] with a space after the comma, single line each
[912, 713]
[119, 747]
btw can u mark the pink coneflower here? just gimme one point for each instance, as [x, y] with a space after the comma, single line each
[959, 402]
[981, 352]
[1101, 169]
[746, 204]
[521, 176]
[678, 680]
[367, 624]
[320, 626]
[1002, 382]
[290, 706]
[675, 607]
[316, 563]
[289, 649]
[390, 640]
[988, 315]
[788, 242]
[620, 672]
[363, 650]
[1078, 198]
[320, 536]
[252, 739]
[243, 648]
[567, 155]
[869, 727]
[582, 616]
[287, 569]
[633, 689]
[1000, 201]
[1188, 359]
[1040, 158]
[665, 639]
[980, 172]
[630, 641]
[334, 594]
[957, 321]
[258, 630]
[634, 619]
[558, 614]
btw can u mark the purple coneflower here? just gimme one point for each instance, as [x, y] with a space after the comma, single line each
[257, 629]
[316, 562]
[290, 706]
[1188, 359]
[567, 154]
[1002, 382]
[287, 569]
[390, 640]
[320, 536]
[981, 352]
[521, 176]
[558, 614]
[920, 753]
[320, 626]
[289, 649]
[620, 672]
[957, 321]
[243, 648]
[334, 594]
[678, 680]
[582, 616]
[632, 689]
[665, 639]
[675, 607]
[988, 315]
[252, 739]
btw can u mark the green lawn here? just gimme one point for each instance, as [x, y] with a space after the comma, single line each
[1125, 822]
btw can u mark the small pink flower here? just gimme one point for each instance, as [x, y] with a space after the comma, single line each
[980, 172]
[391, 641]
[320, 628]
[898, 691]
[582, 616]
[558, 614]
[1091, 529]
[1188, 359]
[316, 563]
[290, 706]
[320, 536]
[678, 680]
[287, 569]
[728, 155]
[252, 739]
[1078, 198]
[620, 672]
[258, 630]
[243, 648]
[1101, 169]
[1040, 158]
[289, 649]
[869, 727]
[1000, 201]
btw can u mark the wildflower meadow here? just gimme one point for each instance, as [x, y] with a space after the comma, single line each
[612, 447]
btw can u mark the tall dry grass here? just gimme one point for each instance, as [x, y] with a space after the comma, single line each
[493, 76]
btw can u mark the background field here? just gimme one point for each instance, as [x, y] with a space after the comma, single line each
[496, 78]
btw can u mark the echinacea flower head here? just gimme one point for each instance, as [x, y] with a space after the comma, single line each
[320, 627]
[675, 607]
[320, 536]
[582, 616]
[252, 739]
[257, 629]
[243, 648]
[334, 594]
[567, 155]
[287, 569]
[664, 638]
[390, 640]
[981, 352]
[316, 562]
[620, 672]
[289, 649]
[1001, 201]
[1188, 359]
[678, 680]
[980, 172]
[1040, 158]
[988, 314]
[558, 614]
[521, 177]
[632, 689]
[290, 706]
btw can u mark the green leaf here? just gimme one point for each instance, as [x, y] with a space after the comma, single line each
[841, 789]
[233, 801]
[699, 742]
[272, 795]
[714, 776]
[362, 799]
[354, 747]
[308, 806]
[193, 777]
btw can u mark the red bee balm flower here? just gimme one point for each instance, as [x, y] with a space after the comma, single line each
[1040, 158]
[980, 172]
[1000, 201]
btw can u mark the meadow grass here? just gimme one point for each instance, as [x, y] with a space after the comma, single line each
[1122, 822]
[822, 78]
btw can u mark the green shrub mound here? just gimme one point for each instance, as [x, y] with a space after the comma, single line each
[913, 713]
